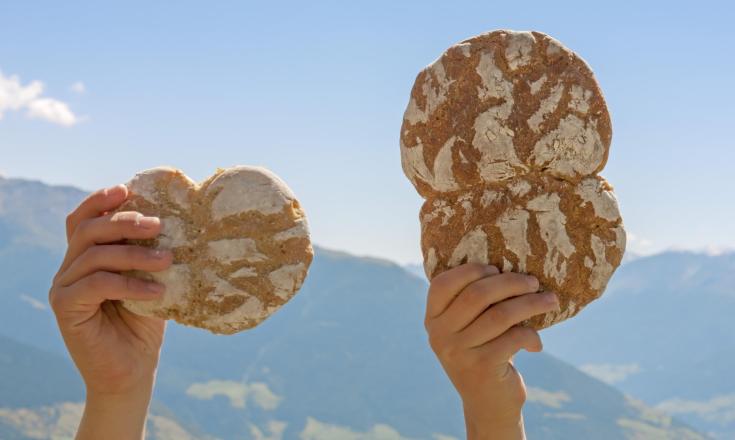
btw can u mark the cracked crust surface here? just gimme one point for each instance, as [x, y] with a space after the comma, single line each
[240, 241]
[568, 235]
[504, 135]
[499, 105]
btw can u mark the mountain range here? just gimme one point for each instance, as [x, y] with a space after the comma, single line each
[663, 332]
[347, 358]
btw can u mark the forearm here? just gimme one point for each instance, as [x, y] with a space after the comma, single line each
[482, 428]
[116, 416]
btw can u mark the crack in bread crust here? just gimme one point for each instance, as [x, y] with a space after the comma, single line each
[240, 242]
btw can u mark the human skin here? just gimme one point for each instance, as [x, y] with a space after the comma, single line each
[115, 350]
[472, 317]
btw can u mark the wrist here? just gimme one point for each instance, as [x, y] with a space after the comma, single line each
[482, 423]
[118, 415]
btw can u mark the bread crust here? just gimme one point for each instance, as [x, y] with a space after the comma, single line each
[240, 241]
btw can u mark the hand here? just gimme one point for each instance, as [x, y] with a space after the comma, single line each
[472, 317]
[115, 350]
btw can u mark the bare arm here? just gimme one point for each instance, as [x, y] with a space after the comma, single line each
[472, 314]
[115, 350]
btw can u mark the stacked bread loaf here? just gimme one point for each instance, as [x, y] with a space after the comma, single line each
[504, 137]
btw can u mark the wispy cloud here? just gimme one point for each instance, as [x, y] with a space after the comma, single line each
[716, 409]
[273, 431]
[316, 430]
[611, 373]
[36, 304]
[14, 96]
[639, 245]
[238, 393]
[78, 87]
[552, 399]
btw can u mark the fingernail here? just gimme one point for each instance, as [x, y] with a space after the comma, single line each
[550, 297]
[114, 189]
[159, 254]
[149, 222]
[155, 287]
[533, 282]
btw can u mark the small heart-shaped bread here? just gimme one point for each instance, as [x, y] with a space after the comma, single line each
[504, 135]
[240, 242]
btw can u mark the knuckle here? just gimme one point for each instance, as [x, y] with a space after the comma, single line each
[480, 270]
[54, 299]
[98, 280]
[439, 282]
[521, 334]
[93, 253]
[55, 280]
[499, 315]
[499, 281]
[470, 296]
[133, 284]
[475, 293]
[436, 342]
[70, 219]
[133, 253]
[82, 228]
[447, 352]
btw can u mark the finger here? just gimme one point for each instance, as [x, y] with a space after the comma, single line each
[94, 289]
[95, 205]
[497, 319]
[502, 348]
[110, 228]
[481, 294]
[447, 285]
[115, 258]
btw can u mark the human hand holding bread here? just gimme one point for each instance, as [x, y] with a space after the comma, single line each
[504, 136]
[223, 256]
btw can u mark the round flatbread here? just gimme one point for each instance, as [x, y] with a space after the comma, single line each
[240, 242]
[504, 135]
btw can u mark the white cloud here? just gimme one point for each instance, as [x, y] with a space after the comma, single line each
[274, 428]
[16, 97]
[51, 110]
[163, 428]
[78, 87]
[36, 304]
[238, 392]
[716, 409]
[639, 245]
[316, 430]
[716, 251]
[611, 373]
[547, 398]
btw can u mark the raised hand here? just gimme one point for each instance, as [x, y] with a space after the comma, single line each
[115, 350]
[472, 317]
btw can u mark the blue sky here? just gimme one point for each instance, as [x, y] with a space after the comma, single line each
[316, 91]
